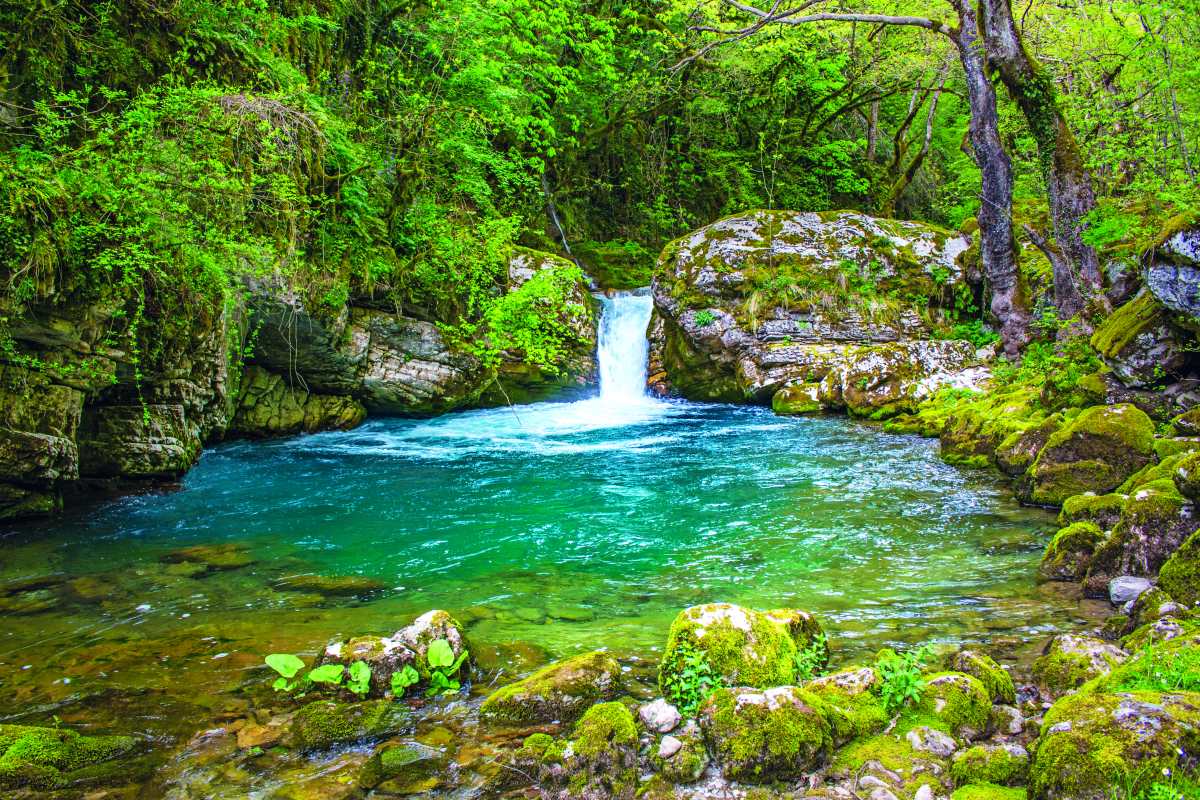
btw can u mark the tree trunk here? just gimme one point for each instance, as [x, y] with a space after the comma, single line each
[901, 181]
[996, 246]
[1068, 183]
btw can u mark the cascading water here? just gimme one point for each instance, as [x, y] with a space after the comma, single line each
[623, 348]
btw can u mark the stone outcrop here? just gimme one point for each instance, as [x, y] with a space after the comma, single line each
[837, 310]
[78, 410]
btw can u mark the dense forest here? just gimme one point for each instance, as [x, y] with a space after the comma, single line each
[600, 399]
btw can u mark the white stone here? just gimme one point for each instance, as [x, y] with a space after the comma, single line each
[660, 716]
[1125, 588]
[669, 746]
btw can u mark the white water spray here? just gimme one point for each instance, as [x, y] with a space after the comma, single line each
[623, 349]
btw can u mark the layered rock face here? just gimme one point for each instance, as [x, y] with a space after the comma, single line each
[77, 410]
[835, 310]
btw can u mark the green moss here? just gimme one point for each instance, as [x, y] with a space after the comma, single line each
[561, 691]
[49, 758]
[958, 700]
[744, 647]
[325, 723]
[542, 748]
[603, 726]
[1070, 551]
[995, 679]
[1187, 476]
[1126, 323]
[794, 400]
[853, 711]
[988, 791]
[1163, 470]
[1067, 666]
[1180, 575]
[1102, 509]
[993, 764]
[780, 735]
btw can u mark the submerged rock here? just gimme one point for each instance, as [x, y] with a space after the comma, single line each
[325, 723]
[559, 692]
[330, 585]
[214, 557]
[53, 758]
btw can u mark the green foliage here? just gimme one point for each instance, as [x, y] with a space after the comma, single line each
[694, 682]
[900, 676]
[704, 318]
[1053, 365]
[811, 658]
[360, 678]
[327, 674]
[1162, 669]
[974, 332]
[288, 666]
[404, 678]
[443, 666]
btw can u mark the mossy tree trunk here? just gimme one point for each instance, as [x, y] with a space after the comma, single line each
[996, 243]
[1068, 182]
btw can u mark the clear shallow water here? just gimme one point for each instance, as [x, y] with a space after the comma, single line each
[563, 526]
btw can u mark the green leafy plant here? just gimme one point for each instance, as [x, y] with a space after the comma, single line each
[1159, 670]
[694, 681]
[328, 674]
[442, 668]
[360, 678]
[810, 658]
[288, 666]
[705, 318]
[404, 678]
[901, 678]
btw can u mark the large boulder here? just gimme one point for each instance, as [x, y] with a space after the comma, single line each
[1092, 742]
[1094, 452]
[1154, 523]
[47, 759]
[763, 736]
[741, 646]
[323, 724]
[559, 692]
[763, 300]
[269, 406]
[1069, 554]
[1180, 575]
[959, 701]
[1140, 343]
[601, 760]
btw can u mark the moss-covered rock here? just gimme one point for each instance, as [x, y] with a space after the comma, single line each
[1094, 452]
[1180, 575]
[1187, 476]
[851, 702]
[1002, 764]
[743, 646]
[957, 700]
[1069, 553]
[1153, 524]
[976, 426]
[905, 758]
[1068, 661]
[1102, 510]
[383, 655]
[765, 736]
[53, 758]
[430, 627]
[802, 398]
[269, 406]
[325, 723]
[601, 759]
[1092, 742]
[559, 692]
[682, 756]
[981, 666]
[988, 791]
[1139, 342]
[401, 766]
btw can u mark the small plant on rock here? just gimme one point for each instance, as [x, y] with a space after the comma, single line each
[360, 678]
[327, 674]
[404, 678]
[901, 676]
[442, 668]
[810, 658]
[705, 318]
[288, 666]
[694, 682]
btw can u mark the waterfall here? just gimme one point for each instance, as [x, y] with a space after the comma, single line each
[623, 348]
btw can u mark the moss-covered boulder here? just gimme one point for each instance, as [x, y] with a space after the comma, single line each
[851, 702]
[1102, 510]
[384, 656]
[1180, 575]
[270, 406]
[326, 723]
[977, 426]
[1154, 523]
[802, 398]
[402, 768]
[428, 628]
[742, 646]
[1094, 452]
[1069, 554]
[765, 736]
[982, 667]
[1092, 742]
[559, 692]
[1068, 661]
[1187, 476]
[902, 760]
[52, 758]
[601, 759]
[1005, 764]
[682, 756]
[1140, 343]
[958, 701]
[989, 791]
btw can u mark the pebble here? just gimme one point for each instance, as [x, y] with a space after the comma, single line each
[669, 746]
[660, 716]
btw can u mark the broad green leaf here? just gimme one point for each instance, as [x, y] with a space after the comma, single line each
[327, 673]
[440, 654]
[285, 664]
